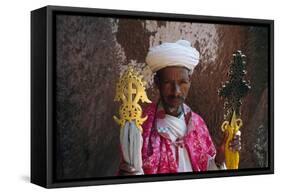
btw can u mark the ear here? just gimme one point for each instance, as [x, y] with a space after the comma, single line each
[156, 81]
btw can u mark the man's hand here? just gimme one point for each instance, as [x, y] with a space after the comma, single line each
[234, 145]
[127, 169]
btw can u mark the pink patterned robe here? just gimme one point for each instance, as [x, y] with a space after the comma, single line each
[157, 153]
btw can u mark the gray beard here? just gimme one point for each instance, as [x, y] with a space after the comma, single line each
[178, 110]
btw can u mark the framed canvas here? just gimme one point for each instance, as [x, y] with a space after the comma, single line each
[125, 96]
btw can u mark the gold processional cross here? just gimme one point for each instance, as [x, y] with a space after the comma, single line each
[233, 91]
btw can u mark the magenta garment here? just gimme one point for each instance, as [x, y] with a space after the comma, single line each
[157, 153]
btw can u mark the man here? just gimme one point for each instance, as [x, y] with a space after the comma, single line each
[175, 139]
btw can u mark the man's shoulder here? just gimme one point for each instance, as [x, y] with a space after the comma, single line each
[149, 112]
[149, 109]
[194, 115]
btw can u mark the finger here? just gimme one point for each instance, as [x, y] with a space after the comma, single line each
[235, 147]
[237, 137]
[126, 173]
[131, 173]
[235, 142]
[238, 133]
[127, 167]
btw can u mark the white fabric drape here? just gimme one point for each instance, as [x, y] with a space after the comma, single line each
[175, 128]
[131, 144]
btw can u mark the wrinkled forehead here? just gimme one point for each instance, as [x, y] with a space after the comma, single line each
[173, 73]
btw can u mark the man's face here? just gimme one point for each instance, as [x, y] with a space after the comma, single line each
[173, 84]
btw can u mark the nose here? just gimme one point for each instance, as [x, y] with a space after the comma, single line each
[176, 89]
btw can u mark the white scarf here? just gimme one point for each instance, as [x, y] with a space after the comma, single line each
[175, 128]
[131, 143]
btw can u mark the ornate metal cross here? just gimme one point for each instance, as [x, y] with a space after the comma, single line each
[233, 91]
[237, 87]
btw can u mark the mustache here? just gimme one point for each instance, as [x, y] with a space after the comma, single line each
[172, 97]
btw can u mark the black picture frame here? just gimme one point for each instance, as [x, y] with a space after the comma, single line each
[43, 93]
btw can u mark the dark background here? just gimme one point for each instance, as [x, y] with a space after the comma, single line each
[92, 52]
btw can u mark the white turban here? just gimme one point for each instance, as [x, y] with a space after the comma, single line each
[180, 53]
